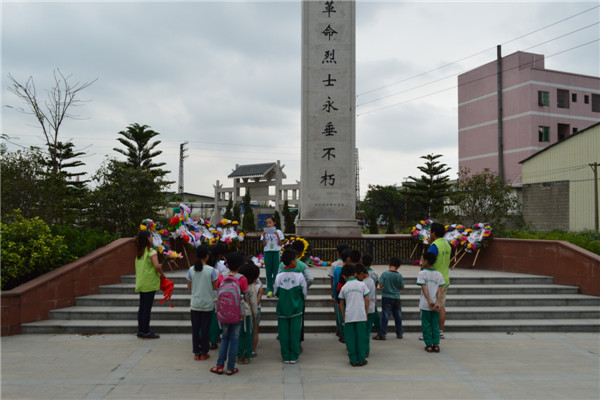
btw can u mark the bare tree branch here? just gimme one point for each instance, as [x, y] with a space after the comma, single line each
[52, 113]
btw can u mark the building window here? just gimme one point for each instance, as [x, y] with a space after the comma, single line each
[543, 98]
[596, 102]
[574, 97]
[563, 131]
[586, 99]
[574, 131]
[562, 98]
[544, 133]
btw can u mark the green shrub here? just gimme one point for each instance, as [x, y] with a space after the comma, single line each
[82, 242]
[589, 240]
[29, 249]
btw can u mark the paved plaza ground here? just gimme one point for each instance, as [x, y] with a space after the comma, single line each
[470, 366]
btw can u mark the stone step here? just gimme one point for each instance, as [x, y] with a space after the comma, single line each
[459, 289]
[507, 300]
[160, 312]
[178, 277]
[174, 326]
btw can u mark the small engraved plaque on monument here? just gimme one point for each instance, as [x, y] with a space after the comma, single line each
[328, 165]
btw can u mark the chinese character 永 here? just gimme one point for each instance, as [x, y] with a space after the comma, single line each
[328, 106]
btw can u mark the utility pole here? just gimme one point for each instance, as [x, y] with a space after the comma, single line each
[595, 169]
[182, 157]
[500, 115]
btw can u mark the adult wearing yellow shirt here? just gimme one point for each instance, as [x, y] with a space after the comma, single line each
[440, 247]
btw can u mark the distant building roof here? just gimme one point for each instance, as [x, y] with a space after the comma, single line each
[254, 170]
[559, 142]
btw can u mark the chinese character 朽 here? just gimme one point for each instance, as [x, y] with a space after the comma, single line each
[328, 179]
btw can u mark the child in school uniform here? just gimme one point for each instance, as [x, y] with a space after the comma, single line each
[258, 287]
[431, 282]
[375, 320]
[245, 342]
[217, 256]
[339, 262]
[392, 282]
[291, 289]
[337, 277]
[354, 306]
[363, 276]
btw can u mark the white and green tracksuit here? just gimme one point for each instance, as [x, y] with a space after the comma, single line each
[291, 288]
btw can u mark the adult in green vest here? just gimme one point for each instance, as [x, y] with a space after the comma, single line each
[440, 247]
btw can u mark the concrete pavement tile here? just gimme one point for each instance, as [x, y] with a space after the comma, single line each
[544, 389]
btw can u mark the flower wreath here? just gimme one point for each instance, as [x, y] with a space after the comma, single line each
[476, 237]
[291, 239]
[454, 233]
[421, 231]
[160, 235]
[229, 231]
[318, 262]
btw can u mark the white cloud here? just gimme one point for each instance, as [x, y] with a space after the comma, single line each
[225, 76]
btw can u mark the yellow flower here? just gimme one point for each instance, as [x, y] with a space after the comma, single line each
[143, 227]
[235, 223]
[241, 234]
[160, 249]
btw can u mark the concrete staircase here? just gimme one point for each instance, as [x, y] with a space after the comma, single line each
[478, 302]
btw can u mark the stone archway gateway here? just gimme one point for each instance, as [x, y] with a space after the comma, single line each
[328, 163]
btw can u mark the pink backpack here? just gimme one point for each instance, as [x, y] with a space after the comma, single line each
[229, 301]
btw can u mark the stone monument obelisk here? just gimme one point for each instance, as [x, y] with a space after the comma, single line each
[328, 164]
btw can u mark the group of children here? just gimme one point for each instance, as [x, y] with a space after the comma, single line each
[353, 285]
[225, 301]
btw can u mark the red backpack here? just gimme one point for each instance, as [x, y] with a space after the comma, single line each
[229, 301]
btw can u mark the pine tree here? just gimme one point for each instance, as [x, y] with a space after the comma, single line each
[228, 210]
[248, 224]
[288, 218]
[431, 189]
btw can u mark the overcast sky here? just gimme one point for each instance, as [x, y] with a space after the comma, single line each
[225, 76]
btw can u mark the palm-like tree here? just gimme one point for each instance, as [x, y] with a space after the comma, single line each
[138, 149]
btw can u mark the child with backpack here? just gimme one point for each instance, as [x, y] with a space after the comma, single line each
[251, 272]
[231, 288]
[290, 287]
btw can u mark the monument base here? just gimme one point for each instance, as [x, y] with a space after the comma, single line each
[328, 227]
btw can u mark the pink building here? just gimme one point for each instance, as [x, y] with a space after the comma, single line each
[540, 107]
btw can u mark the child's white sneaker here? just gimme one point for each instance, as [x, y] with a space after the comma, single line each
[442, 335]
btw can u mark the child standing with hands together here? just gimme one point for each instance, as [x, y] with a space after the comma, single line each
[272, 238]
[431, 282]
[354, 306]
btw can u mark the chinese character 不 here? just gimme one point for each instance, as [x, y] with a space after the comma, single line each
[329, 57]
[328, 152]
[328, 179]
[329, 80]
[329, 129]
[328, 106]
[329, 32]
[329, 8]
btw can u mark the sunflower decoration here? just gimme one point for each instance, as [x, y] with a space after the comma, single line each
[307, 249]
[453, 234]
[421, 231]
[477, 236]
